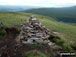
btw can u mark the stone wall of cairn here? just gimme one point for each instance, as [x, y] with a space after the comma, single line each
[33, 31]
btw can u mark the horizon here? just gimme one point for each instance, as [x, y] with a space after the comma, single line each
[39, 3]
[35, 6]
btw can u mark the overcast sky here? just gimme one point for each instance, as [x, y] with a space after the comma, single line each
[44, 3]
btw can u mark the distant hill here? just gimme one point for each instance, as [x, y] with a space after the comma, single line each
[66, 14]
[7, 8]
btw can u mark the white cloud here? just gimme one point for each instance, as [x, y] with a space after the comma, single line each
[47, 3]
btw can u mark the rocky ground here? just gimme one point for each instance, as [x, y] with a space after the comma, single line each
[10, 48]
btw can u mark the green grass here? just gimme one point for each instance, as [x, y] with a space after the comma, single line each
[59, 42]
[35, 53]
[67, 32]
[2, 32]
[36, 44]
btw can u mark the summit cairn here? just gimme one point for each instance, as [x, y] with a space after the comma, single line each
[33, 31]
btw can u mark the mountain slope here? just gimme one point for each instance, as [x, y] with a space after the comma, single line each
[68, 32]
[67, 14]
[7, 8]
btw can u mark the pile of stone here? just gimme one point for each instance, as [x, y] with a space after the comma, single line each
[33, 31]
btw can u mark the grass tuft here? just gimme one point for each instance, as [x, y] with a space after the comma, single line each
[2, 32]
